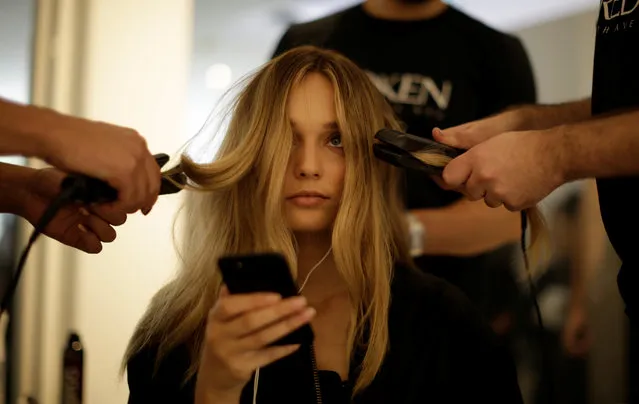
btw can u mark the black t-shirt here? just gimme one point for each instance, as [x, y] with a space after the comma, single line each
[441, 351]
[615, 87]
[438, 72]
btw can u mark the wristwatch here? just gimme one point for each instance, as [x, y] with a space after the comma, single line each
[417, 234]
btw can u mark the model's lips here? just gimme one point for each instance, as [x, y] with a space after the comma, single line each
[308, 194]
[308, 199]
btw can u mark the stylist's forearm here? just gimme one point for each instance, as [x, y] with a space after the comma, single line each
[467, 228]
[13, 181]
[22, 129]
[541, 117]
[599, 148]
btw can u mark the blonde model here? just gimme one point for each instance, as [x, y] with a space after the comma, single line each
[296, 174]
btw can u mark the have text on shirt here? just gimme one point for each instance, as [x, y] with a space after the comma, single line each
[617, 16]
[420, 94]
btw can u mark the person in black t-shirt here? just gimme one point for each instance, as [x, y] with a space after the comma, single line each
[439, 67]
[520, 156]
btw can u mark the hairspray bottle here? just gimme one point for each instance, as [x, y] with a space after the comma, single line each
[72, 371]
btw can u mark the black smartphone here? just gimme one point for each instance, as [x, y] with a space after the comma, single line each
[267, 272]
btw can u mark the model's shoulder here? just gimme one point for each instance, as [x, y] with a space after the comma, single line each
[148, 368]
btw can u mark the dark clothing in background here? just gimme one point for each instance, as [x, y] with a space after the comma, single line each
[615, 87]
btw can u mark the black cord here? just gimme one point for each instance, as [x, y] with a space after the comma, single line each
[545, 354]
[86, 190]
[62, 199]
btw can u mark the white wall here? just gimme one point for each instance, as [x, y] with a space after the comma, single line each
[137, 67]
[16, 25]
[562, 52]
[134, 72]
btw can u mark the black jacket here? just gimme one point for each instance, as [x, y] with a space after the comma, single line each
[441, 351]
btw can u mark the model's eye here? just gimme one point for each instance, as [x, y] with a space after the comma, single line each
[335, 140]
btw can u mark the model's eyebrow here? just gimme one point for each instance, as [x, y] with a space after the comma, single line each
[327, 126]
[331, 126]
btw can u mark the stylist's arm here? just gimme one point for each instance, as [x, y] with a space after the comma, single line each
[110, 153]
[520, 156]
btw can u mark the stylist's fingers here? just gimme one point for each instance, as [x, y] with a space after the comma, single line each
[457, 172]
[441, 183]
[492, 201]
[109, 213]
[126, 195]
[104, 232]
[462, 137]
[471, 134]
[153, 186]
[449, 136]
[474, 189]
[141, 186]
[87, 241]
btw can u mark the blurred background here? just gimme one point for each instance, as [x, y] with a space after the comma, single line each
[161, 66]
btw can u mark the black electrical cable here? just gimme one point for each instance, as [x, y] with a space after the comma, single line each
[64, 197]
[82, 189]
[545, 354]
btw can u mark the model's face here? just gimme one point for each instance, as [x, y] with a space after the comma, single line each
[315, 173]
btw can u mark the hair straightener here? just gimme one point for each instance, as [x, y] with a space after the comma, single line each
[430, 157]
[413, 152]
[76, 188]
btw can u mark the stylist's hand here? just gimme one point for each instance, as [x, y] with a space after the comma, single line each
[516, 169]
[84, 228]
[472, 133]
[239, 329]
[111, 153]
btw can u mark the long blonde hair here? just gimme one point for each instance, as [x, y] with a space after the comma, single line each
[241, 210]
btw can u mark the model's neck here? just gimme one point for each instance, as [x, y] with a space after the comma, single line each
[312, 248]
[400, 11]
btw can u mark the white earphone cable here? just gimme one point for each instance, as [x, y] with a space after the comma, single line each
[256, 377]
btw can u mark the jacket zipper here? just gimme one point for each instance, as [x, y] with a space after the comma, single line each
[318, 392]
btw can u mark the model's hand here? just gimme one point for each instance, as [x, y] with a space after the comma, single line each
[516, 169]
[84, 228]
[107, 152]
[238, 333]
